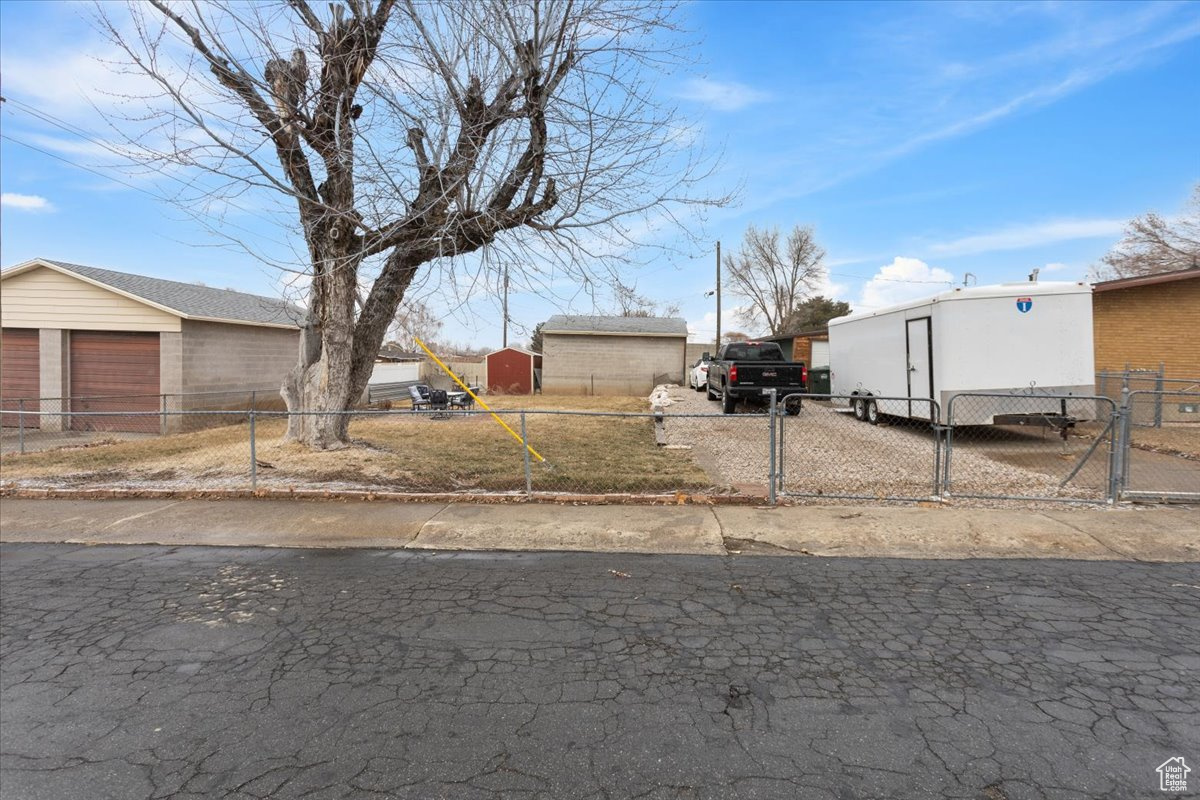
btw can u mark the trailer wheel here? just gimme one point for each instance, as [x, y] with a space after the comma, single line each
[860, 408]
[872, 412]
[728, 402]
[792, 407]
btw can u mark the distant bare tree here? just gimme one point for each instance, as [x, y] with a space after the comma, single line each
[734, 336]
[398, 136]
[415, 320]
[1154, 244]
[774, 278]
[632, 304]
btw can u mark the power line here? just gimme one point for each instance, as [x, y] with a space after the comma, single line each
[142, 189]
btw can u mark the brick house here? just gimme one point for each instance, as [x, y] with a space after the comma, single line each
[133, 343]
[612, 355]
[1149, 320]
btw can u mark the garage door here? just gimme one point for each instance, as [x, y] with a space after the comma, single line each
[19, 373]
[113, 371]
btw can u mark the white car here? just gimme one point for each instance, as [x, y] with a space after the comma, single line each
[698, 374]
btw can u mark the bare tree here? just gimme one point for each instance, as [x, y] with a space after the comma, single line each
[1154, 244]
[629, 303]
[415, 320]
[774, 279]
[398, 136]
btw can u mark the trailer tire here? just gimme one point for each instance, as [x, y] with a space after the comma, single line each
[728, 402]
[860, 407]
[872, 412]
[792, 408]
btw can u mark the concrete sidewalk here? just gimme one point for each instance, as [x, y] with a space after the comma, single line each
[1146, 534]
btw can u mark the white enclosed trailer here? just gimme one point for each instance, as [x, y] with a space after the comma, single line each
[1029, 338]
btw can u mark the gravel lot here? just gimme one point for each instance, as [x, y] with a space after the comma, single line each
[828, 453]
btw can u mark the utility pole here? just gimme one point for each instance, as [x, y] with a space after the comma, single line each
[505, 307]
[718, 296]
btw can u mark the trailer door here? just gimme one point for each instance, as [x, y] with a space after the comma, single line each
[920, 366]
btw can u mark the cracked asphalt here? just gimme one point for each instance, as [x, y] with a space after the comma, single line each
[155, 672]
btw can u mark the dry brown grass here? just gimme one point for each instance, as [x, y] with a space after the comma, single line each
[594, 454]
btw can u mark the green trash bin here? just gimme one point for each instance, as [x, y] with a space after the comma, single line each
[818, 380]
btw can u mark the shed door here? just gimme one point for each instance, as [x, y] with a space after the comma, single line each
[20, 375]
[920, 365]
[820, 354]
[114, 371]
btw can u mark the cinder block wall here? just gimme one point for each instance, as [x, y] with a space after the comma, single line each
[609, 365]
[218, 357]
[697, 349]
[1144, 326]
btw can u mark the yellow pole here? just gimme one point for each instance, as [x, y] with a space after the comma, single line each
[474, 396]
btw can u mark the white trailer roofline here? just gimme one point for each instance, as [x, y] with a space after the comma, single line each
[975, 293]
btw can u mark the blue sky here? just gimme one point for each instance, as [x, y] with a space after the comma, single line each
[921, 141]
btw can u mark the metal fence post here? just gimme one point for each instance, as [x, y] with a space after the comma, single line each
[162, 424]
[1114, 456]
[21, 424]
[1158, 397]
[774, 419]
[945, 492]
[253, 456]
[935, 416]
[253, 400]
[525, 452]
[1123, 442]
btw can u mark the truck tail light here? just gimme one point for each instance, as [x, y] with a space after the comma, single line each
[733, 374]
[804, 375]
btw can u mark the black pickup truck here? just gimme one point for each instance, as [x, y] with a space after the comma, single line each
[742, 370]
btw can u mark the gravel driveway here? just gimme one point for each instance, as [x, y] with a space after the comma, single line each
[827, 453]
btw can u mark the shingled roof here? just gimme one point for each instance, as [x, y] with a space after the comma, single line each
[616, 326]
[188, 300]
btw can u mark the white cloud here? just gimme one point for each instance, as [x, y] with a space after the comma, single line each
[902, 280]
[1055, 267]
[706, 329]
[1035, 235]
[722, 95]
[25, 202]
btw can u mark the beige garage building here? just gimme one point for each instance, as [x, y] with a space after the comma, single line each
[93, 339]
[612, 355]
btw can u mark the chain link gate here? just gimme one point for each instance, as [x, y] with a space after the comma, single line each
[1028, 446]
[1155, 465]
[859, 447]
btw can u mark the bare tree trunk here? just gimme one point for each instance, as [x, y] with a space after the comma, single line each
[336, 362]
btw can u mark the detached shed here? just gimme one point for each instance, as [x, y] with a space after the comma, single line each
[612, 355]
[511, 370]
[86, 339]
[811, 347]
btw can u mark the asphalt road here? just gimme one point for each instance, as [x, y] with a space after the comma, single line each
[131, 672]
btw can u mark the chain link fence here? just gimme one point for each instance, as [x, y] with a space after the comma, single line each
[1155, 408]
[1028, 446]
[1161, 462]
[988, 446]
[857, 447]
